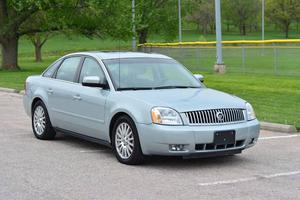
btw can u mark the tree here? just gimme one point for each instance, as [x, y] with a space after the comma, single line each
[241, 13]
[40, 27]
[203, 14]
[111, 18]
[38, 40]
[156, 16]
[13, 14]
[283, 13]
[35, 18]
[151, 17]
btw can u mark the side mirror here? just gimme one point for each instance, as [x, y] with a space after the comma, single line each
[92, 81]
[199, 77]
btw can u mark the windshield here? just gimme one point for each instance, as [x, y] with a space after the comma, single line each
[149, 73]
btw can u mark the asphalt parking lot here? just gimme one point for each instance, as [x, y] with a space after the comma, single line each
[69, 168]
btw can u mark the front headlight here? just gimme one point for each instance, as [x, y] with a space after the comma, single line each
[165, 116]
[250, 112]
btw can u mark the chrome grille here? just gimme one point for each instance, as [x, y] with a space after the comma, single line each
[215, 116]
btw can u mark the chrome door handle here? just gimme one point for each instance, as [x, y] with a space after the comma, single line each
[77, 97]
[50, 91]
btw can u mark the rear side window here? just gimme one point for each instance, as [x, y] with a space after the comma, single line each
[68, 69]
[51, 69]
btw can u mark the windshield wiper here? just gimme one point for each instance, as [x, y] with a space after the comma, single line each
[135, 88]
[156, 88]
[174, 86]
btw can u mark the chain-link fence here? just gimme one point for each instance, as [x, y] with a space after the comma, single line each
[270, 58]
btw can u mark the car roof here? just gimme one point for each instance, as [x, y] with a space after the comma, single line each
[114, 55]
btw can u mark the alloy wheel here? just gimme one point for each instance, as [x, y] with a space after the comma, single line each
[124, 140]
[39, 120]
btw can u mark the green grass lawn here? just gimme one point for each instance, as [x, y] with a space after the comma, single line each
[275, 98]
[60, 44]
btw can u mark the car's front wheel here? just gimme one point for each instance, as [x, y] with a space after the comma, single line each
[41, 124]
[125, 142]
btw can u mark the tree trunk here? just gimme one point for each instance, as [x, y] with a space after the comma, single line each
[286, 30]
[198, 27]
[204, 29]
[240, 29]
[143, 34]
[244, 29]
[10, 53]
[38, 44]
[212, 28]
[38, 53]
[37, 47]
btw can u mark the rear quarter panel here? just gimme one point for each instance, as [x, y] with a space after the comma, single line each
[36, 88]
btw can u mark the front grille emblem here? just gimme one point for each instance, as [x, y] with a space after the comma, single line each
[220, 116]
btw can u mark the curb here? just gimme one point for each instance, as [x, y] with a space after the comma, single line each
[9, 90]
[278, 127]
[14, 91]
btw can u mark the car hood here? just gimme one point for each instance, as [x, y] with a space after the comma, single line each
[188, 99]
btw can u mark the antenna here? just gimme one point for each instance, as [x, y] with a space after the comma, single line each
[119, 65]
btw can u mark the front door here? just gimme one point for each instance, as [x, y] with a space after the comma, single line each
[90, 102]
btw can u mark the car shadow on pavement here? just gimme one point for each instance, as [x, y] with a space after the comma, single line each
[79, 143]
[176, 163]
[163, 162]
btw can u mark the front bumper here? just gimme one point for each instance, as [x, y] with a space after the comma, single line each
[156, 139]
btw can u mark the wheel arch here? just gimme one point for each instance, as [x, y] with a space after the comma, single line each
[35, 99]
[114, 119]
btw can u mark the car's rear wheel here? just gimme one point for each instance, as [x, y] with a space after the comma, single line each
[125, 142]
[41, 124]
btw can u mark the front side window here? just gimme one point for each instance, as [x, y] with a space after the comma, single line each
[68, 68]
[91, 67]
[149, 73]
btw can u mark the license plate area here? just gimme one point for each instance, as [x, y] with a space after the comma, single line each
[224, 137]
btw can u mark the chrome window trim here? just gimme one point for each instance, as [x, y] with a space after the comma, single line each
[99, 60]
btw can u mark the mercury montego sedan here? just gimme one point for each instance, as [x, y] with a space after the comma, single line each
[139, 104]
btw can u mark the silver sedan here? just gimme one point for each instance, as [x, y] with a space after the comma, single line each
[139, 104]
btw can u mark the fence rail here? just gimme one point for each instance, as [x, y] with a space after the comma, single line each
[279, 57]
[237, 42]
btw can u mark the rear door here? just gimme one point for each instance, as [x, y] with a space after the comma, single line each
[62, 94]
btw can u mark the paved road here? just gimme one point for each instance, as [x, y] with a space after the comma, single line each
[68, 168]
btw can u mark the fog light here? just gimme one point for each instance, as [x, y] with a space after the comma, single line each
[176, 147]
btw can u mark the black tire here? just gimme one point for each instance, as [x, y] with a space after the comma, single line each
[48, 132]
[137, 156]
